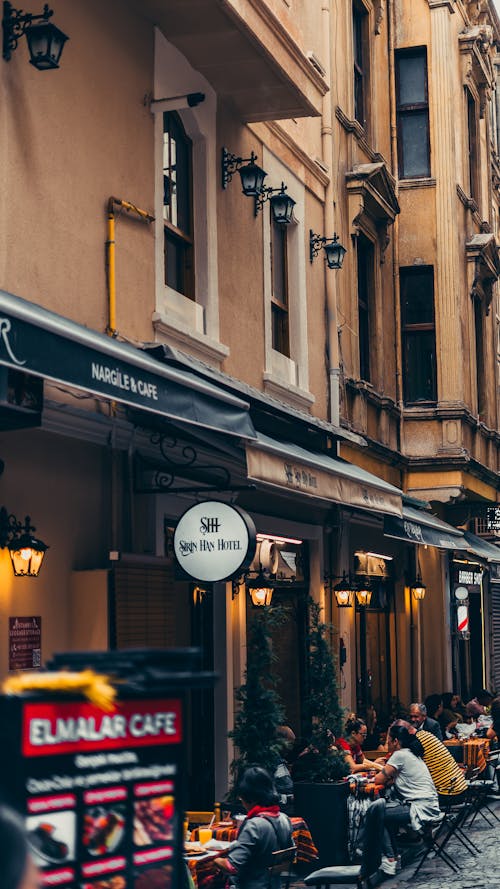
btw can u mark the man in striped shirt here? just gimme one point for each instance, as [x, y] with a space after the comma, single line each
[447, 776]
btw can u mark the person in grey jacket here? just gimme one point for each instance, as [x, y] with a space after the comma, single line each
[265, 830]
[421, 722]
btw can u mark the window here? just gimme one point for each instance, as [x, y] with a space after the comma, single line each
[480, 376]
[177, 206]
[360, 51]
[419, 335]
[365, 259]
[279, 284]
[472, 144]
[412, 114]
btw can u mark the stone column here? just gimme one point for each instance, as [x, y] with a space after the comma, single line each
[447, 281]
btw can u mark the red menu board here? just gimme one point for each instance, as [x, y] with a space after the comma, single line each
[25, 642]
[100, 790]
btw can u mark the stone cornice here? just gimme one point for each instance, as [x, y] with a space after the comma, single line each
[354, 127]
[299, 152]
[437, 4]
[263, 9]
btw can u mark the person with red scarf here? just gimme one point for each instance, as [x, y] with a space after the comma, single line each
[265, 830]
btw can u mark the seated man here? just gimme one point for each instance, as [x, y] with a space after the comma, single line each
[447, 776]
[420, 720]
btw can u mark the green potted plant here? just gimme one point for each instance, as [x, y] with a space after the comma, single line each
[319, 789]
[259, 711]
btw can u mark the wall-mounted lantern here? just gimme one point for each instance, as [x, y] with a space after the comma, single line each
[45, 40]
[252, 176]
[26, 552]
[334, 250]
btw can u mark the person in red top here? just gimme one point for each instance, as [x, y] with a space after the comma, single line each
[355, 734]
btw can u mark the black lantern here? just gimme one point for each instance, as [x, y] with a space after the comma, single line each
[334, 250]
[344, 592]
[26, 552]
[260, 589]
[45, 44]
[282, 206]
[45, 40]
[418, 589]
[252, 179]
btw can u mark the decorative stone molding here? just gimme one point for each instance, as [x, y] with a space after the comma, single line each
[477, 47]
[354, 127]
[483, 267]
[372, 198]
[437, 4]
[379, 15]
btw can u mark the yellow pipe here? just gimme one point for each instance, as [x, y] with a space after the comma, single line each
[110, 246]
[111, 328]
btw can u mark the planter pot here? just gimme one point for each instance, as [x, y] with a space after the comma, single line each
[324, 808]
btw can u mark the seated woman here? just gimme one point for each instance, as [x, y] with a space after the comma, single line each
[373, 739]
[413, 787]
[355, 734]
[265, 830]
[450, 716]
[16, 866]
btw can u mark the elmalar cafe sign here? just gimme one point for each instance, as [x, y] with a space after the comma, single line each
[214, 541]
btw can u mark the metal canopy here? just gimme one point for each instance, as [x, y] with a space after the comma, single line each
[295, 469]
[39, 342]
[482, 548]
[417, 526]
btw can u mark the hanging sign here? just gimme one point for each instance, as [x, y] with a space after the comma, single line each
[214, 541]
[493, 518]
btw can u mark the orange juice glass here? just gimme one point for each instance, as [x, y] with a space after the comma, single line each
[204, 834]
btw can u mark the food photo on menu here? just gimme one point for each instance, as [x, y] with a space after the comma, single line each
[154, 820]
[108, 883]
[155, 878]
[103, 829]
[52, 837]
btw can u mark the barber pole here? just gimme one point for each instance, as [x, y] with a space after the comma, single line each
[463, 621]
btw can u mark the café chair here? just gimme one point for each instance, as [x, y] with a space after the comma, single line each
[281, 863]
[357, 874]
[481, 786]
[197, 818]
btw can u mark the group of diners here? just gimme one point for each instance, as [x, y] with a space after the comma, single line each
[415, 767]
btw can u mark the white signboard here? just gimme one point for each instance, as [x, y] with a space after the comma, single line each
[214, 541]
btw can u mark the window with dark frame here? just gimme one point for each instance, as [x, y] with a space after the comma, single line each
[472, 144]
[365, 266]
[412, 114]
[279, 291]
[177, 206]
[361, 55]
[419, 334]
[480, 375]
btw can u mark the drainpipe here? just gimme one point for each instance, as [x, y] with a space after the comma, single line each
[327, 147]
[110, 254]
[391, 25]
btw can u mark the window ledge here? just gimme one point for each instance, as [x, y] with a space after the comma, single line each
[198, 344]
[285, 391]
[428, 182]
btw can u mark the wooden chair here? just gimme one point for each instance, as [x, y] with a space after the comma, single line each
[281, 863]
[199, 818]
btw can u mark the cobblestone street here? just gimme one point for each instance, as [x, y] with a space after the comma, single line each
[478, 872]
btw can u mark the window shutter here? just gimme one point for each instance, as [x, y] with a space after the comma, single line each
[144, 606]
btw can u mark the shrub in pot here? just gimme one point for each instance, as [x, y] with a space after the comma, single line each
[320, 791]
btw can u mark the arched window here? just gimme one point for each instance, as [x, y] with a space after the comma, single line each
[178, 206]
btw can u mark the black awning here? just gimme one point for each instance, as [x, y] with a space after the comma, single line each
[418, 526]
[47, 345]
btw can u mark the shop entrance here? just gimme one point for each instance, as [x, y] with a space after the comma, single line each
[373, 660]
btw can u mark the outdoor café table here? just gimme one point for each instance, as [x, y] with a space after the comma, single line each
[473, 752]
[306, 850]
[362, 791]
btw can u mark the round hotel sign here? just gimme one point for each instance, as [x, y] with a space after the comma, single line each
[214, 541]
